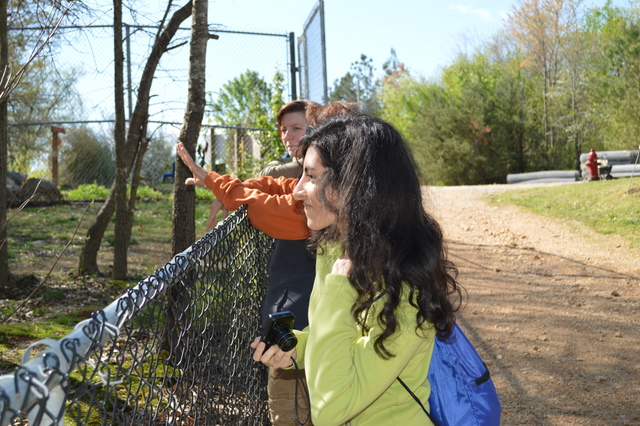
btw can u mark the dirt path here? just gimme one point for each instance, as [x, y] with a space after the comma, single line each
[553, 310]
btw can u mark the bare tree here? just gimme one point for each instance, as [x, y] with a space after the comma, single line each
[135, 146]
[122, 171]
[184, 196]
[8, 83]
[4, 64]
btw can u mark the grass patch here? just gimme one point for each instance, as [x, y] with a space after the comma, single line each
[38, 234]
[604, 206]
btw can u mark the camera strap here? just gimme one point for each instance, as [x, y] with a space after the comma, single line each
[306, 394]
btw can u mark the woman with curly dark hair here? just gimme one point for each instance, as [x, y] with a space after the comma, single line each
[384, 287]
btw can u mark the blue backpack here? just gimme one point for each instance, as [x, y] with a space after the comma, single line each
[462, 392]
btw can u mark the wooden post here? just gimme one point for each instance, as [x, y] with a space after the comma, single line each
[55, 143]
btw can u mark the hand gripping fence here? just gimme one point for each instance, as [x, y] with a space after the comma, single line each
[173, 350]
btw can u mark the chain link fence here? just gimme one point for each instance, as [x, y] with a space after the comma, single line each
[71, 143]
[174, 350]
[68, 138]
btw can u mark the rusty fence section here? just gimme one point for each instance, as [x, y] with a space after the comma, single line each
[173, 350]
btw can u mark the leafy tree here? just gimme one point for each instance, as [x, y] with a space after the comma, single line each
[45, 93]
[392, 67]
[359, 85]
[270, 141]
[615, 86]
[242, 100]
[250, 105]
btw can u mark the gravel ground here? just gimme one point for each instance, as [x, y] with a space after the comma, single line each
[552, 308]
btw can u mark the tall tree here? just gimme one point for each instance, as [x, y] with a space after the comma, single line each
[136, 138]
[359, 85]
[541, 30]
[4, 66]
[121, 240]
[242, 100]
[247, 101]
[615, 86]
[45, 93]
[8, 83]
[184, 196]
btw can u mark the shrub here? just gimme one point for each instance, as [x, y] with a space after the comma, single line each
[86, 158]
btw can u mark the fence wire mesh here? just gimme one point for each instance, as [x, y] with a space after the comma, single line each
[174, 350]
[76, 126]
[312, 57]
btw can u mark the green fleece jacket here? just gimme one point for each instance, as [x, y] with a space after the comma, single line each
[348, 382]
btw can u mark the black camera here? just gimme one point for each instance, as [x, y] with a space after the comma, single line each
[279, 331]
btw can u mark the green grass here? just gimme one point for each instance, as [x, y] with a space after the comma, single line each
[14, 335]
[37, 235]
[604, 206]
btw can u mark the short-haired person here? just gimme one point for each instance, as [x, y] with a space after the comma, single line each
[293, 119]
[383, 288]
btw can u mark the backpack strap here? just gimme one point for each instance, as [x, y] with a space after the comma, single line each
[418, 401]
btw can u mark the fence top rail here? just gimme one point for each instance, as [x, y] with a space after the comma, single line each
[77, 27]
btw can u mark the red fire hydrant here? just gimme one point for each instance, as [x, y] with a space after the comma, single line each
[592, 164]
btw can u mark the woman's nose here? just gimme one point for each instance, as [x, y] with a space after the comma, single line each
[298, 191]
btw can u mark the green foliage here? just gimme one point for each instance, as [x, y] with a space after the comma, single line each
[86, 157]
[95, 192]
[241, 100]
[614, 83]
[531, 99]
[147, 193]
[45, 93]
[87, 192]
[204, 194]
[247, 101]
[270, 141]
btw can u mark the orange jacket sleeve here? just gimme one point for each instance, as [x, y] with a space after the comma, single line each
[271, 206]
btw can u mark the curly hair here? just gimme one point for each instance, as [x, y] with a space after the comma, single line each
[393, 243]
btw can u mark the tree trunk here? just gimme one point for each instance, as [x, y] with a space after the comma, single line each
[121, 240]
[184, 196]
[4, 62]
[178, 297]
[88, 257]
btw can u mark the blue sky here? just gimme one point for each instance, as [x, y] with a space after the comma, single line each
[425, 34]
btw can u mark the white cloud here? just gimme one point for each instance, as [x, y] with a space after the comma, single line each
[482, 13]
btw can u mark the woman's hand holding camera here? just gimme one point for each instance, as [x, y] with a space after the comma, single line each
[274, 356]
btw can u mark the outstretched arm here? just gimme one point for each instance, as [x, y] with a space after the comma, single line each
[272, 208]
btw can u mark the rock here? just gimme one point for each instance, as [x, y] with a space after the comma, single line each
[39, 191]
[16, 177]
